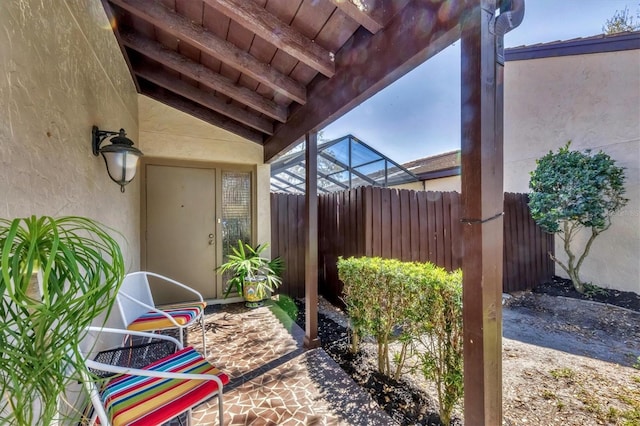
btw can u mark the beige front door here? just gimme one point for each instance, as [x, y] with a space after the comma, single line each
[180, 222]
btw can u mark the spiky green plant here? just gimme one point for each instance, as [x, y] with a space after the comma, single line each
[248, 262]
[56, 276]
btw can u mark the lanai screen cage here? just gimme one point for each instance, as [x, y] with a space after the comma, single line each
[343, 163]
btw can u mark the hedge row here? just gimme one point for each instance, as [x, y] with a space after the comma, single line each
[417, 304]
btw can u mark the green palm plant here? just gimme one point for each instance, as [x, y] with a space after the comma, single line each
[247, 263]
[56, 276]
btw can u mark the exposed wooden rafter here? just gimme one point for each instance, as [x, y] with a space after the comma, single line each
[421, 32]
[181, 28]
[205, 76]
[270, 28]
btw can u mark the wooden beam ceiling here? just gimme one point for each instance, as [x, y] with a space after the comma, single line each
[184, 30]
[257, 20]
[273, 71]
[203, 75]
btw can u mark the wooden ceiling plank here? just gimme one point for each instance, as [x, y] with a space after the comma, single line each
[269, 27]
[215, 46]
[285, 63]
[165, 38]
[204, 114]
[193, 10]
[239, 36]
[336, 31]
[311, 18]
[192, 93]
[217, 24]
[373, 62]
[363, 17]
[285, 10]
[203, 75]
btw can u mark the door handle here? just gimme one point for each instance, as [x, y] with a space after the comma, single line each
[211, 240]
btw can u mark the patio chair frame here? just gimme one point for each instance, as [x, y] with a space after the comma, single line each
[94, 393]
[144, 292]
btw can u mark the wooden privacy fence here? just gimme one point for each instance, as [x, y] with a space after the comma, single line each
[400, 224]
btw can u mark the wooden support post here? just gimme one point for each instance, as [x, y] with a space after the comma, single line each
[482, 223]
[311, 242]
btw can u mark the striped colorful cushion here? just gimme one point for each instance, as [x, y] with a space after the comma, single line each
[143, 401]
[183, 314]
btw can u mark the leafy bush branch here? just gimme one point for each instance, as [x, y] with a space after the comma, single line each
[572, 191]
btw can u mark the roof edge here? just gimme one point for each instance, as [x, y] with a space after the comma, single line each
[597, 44]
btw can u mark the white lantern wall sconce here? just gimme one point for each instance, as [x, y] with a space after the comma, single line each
[120, 157]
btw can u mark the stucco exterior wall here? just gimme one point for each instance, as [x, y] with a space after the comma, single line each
[594, 101]
[445, 184]
[415, 186]
[449, 183]
[168, 133]
[62, 73]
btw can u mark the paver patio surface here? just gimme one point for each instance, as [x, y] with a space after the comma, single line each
[274, 380]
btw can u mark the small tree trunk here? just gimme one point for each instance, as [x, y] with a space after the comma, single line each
[575, 279]
[401, 359]
[355, 341]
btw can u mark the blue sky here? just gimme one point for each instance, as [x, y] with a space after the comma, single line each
[419, 115]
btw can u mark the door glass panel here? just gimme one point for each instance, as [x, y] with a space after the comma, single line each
[236, 210]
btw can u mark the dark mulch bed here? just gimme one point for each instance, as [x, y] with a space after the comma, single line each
[402, 400]
[564, 287]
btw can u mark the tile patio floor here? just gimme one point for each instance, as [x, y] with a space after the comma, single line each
[274, 380]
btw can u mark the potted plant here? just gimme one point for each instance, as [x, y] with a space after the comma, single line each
[252, 275]
[56, 276]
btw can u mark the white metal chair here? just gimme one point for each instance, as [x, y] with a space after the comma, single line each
[156, 393]
[140, 313]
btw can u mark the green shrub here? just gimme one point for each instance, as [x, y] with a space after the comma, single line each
[439, 345]
[574, 192]
[418, 304]
[379, 296]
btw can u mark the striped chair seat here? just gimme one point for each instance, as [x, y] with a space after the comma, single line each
[143, 401]
[182, 314]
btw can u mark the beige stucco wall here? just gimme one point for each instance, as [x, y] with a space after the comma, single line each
[449, 183]
[593, 100]
[445, 184]
[415, 186]
[63, 72]
[168, 133]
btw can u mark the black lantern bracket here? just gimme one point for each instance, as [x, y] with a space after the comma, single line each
[98, 136]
